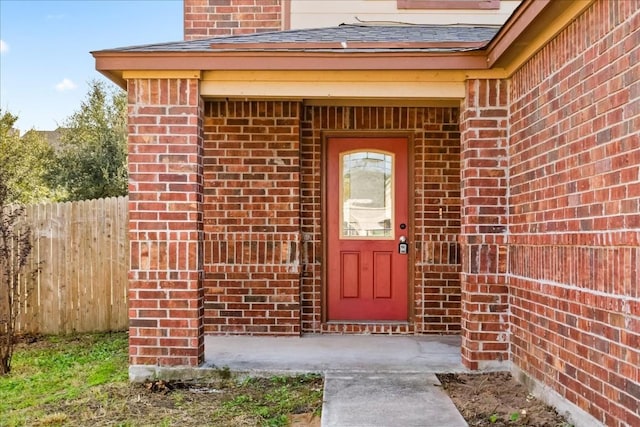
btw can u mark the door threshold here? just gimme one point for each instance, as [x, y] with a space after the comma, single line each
[368, 327]
[367, 322]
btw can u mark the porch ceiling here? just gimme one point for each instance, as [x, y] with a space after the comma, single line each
[380, 87]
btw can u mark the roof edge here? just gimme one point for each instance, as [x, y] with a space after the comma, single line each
[114, 64]
[514, 27]
[533, 24]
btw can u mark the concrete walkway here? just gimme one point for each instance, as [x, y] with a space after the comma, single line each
[370, 380]
[397, 399]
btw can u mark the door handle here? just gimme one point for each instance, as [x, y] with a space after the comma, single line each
[403, 246]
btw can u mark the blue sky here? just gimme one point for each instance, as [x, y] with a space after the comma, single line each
[45, 63]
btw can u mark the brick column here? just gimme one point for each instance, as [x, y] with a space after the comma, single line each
[165, 222]
[483, 237]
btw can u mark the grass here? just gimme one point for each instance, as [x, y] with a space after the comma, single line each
[82, 380]
[58, 370]
[271, 400]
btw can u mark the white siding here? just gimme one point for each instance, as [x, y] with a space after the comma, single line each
[329, 13]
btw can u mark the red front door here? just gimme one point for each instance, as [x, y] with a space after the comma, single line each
[368, 222]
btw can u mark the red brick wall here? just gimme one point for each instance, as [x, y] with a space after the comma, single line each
[437, 186]
[165, 222]
[483, 238]
[575, 223]
[213, 18]
[252, 217]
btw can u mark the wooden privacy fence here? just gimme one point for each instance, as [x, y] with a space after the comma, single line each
[81, 253]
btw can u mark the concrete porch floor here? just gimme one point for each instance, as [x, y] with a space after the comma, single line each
[370, 380]
[336, 353]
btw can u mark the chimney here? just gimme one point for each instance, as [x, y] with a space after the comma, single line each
[215, 18]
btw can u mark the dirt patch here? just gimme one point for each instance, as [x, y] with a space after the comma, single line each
[304, 420]
[497, 400]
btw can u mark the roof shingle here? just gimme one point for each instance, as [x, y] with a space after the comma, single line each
[347, 38]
